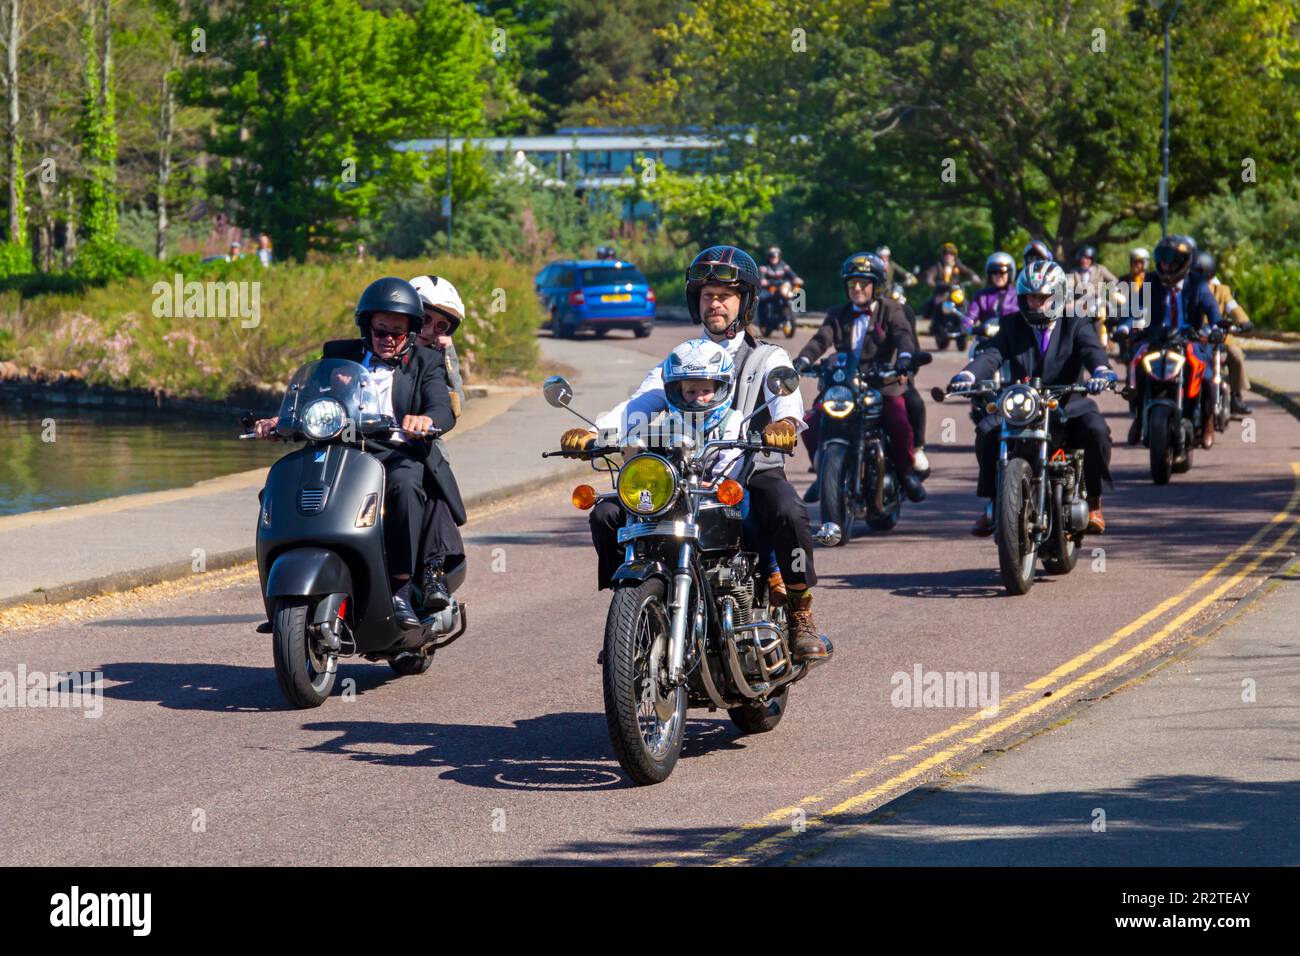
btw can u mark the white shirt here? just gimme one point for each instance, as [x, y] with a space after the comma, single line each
[381, 386]
[648, 400]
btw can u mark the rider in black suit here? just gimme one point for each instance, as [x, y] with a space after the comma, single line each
[1042, 341]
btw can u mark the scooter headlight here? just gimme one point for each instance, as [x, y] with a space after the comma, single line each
[1020, 406]
[323, 419]
[838, 401]
[647, 485]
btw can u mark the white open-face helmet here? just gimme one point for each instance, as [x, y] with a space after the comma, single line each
[437, 293]
[700, 359]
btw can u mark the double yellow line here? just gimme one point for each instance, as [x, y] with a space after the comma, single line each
[1025, 703]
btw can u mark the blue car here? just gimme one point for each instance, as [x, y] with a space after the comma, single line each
[595, 294]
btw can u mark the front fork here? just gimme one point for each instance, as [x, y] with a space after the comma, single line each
[681, 616]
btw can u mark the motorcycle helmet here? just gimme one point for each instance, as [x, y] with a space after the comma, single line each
[1036, 249]
[1205, 265]
[1041, 277]
[774, 253]
[947, 249]
[391, 294]
[1000, 261]
[1173, 259]
[695, 360]
[865, 265]
[724, 265]
[884, 252]
[1138, 252]
[439, 294]
[1086, 252]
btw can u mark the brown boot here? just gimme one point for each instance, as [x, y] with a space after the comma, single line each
[1207, 432]
[805, 641]
[776, 592]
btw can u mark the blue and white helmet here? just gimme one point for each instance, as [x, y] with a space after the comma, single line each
[700, 359]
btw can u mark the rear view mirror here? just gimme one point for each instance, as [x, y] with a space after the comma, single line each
[783, 381]
[558, 391]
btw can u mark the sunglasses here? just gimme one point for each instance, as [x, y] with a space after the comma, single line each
[381, 334]
[999, 271]
[721, 271]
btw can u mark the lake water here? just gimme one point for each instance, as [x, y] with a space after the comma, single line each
[102, 454]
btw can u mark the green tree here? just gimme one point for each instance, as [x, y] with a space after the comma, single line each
[703, 210]
[310, 95]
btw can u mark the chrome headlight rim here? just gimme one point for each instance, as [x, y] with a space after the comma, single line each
[1020, 405]
[838, 401]
[323, 428]
[669, 468]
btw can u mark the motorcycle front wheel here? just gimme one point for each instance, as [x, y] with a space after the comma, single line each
[788, 328]
[305, 672]
[837, 496]
[1162, 451]
[646, 718]
[1017, 555]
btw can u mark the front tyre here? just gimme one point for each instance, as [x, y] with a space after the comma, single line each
[646, 718]
[837, 493]
[1016, 553]
[305, 671]
[758, 717]
[1162, 450]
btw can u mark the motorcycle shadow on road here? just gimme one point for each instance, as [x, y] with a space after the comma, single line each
[553, 752]
[221, 688]
[965, 583]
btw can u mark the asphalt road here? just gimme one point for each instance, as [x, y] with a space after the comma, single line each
[499, 753]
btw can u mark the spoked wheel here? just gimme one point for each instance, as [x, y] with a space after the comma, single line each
[1223, 411]
[1065, 544]
[837, 497]
[1017, 556]
[1162, 451]
[646, 718]
[305, 670]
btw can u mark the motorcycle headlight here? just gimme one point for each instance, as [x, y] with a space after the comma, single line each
[958, 296]
[1163, 366]
[838, 401]
[990, 329]
[1020, 405]
[323, 419]
[647, 485]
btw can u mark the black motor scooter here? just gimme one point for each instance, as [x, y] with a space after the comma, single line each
[320, 541]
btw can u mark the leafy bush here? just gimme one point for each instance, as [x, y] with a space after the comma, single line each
[1267, 291]
[133, 334]
[111, 261]
[15, 260]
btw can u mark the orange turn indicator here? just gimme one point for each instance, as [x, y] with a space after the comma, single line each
[730, 492]
[583, 497]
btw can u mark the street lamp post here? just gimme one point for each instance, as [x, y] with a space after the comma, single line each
[1164, 178]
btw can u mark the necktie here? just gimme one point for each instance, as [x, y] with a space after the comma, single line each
[1175, 319]
[1044, 337]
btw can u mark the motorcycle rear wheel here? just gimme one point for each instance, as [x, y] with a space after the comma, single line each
[1017, 556]
[755, 717]
[836, 499]
[1162, 452]
[306, 675]
[646, 720]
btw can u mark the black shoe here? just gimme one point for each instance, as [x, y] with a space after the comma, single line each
[913, 488]
[436, 596]
[1239, 407]
[1135, 430]
[406, 618]
[814, 492]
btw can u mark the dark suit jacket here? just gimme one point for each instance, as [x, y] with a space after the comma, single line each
[889, 334]
[1196, 301]
[1073, 349]
[419, 388]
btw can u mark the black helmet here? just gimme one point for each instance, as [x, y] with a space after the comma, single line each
[774, 252]
[724, 265]
[1205, 265]
[391, 294]
[1035, 249]
[1087, 252]
[865, 265]
[1174, 258]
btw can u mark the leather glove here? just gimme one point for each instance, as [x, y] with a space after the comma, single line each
[783, 435]
[1246, 327]
[904, 363]
[961, 381]
[802, 364]
[577, 439]
[1100, 379]
[1217, 334]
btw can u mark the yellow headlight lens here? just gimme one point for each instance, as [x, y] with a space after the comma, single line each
[958, 295]
[646, 485]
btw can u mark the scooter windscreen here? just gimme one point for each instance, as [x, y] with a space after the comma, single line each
[329, 397]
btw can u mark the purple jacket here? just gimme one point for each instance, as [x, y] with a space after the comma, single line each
[991, 303]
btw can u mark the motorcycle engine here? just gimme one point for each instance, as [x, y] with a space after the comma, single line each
[735, 579]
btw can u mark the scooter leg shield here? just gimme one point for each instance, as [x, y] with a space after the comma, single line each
[308, 572]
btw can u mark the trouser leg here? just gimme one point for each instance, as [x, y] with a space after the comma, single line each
[404, 501]
[988, 435]
[1090, 433]
[915, 414]
[605, 520]
[899, 430]
[443, 544]
[1237, 377]
[783, 519]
